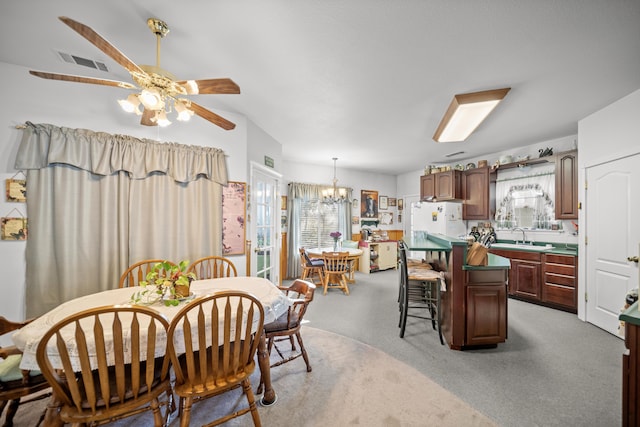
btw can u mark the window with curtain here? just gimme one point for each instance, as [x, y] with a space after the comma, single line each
[311, 222]
[99, 202]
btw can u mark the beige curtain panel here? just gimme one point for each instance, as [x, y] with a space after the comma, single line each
[98, 203]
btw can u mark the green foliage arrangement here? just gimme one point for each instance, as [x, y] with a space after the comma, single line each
[165, 281]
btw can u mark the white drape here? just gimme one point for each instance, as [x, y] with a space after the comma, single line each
[97, 203]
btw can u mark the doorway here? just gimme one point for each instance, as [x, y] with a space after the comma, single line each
[613, 238]
[265, 223]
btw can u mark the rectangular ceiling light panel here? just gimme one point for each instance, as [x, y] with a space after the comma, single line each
[465, 113]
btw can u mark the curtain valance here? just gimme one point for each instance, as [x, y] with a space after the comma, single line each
[299, 190]
[105, 154]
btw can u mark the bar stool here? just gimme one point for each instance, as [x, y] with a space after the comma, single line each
[420, 290]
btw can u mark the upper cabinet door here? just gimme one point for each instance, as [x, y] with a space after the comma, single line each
[448, 185]
[427, 186]
[567, 185]
[475, 192]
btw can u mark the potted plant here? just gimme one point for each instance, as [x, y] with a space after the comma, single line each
[166, 281]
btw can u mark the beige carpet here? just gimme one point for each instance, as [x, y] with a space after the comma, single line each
[351, 384]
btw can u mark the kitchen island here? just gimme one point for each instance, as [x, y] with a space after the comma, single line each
[474, 305]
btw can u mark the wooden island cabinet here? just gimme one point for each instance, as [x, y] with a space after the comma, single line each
[474, 304]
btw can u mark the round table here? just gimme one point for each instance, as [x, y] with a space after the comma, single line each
[354, 254]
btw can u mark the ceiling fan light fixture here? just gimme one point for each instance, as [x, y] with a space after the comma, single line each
[131, 104]
[151, 99]
[184, 114]
[161, 119]
[466, 112]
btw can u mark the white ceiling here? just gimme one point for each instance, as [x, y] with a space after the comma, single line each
[366, 81]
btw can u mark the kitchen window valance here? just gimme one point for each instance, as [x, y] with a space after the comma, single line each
[105, 154]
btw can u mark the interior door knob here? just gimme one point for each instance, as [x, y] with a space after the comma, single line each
[632, 258]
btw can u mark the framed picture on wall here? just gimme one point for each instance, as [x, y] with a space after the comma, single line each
[14, 228]
[16, 190]
[400, 203]
[383, 203]
[368, 204]
[234, 208]
[392, 201]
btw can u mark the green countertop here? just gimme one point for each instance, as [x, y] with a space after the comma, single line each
[558, 248]
[495, 262]
[631, 314]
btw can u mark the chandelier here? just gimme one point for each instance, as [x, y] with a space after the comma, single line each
[334, 195]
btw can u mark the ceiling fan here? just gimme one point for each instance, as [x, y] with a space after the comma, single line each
[160, 91]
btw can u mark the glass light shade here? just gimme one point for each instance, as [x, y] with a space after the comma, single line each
[184, 114]
[161, 118]
[151, 99]
[130, 105]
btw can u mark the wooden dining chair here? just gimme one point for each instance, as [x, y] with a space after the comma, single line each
[336, 270]
[311, 268]
[137, 272]
[16, 383]
[420, 293]
[96, 382]
[213, 267]
[288, 325]
[210, 360]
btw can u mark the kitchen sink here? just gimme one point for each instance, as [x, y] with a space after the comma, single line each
[521, 246]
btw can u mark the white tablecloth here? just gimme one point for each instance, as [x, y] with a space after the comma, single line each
[26, 339]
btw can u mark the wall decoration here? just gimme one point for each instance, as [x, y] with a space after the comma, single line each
[383, 203]
[283, 203]
[386, 218]
[234, 206]
[392, 201]
[400, 203]
[16, 190]
[368, 204]
[355, 220]
[399, 217]
[283, 222]
[14, 228]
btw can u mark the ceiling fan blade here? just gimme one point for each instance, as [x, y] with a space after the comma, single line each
[146, 118]
[210, 86]
[80, 79]
[98, 41]
[211, 116]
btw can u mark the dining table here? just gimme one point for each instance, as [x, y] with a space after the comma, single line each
[274, 301]
[354, 254]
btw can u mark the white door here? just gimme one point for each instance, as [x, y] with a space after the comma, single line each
[265, 223]
[613, 235]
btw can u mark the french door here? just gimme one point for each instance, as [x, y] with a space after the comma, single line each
[265, 223]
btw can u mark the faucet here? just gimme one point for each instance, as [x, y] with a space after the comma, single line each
[520, 229]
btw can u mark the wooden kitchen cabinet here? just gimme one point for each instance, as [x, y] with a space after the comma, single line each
[442, 185]
[525, 274]
[567, 185]
[559, 281]
[486, 304]
[475, 192]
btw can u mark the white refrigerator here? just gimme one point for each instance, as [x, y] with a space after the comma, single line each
[438, 218]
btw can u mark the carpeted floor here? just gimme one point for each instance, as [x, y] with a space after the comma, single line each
[351, 384]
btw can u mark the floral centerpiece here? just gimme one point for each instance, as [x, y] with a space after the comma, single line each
[165, 281]
[336, 236]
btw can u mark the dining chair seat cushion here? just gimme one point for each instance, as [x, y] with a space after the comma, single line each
[280, 324]
[350, 244]
[315, 263]
[10, 369]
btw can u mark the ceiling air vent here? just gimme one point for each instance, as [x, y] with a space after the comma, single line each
[457, 153]
[85, 62]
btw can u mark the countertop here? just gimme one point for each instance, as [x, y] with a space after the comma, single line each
[557, 248]
[631, 314]
[495, 262]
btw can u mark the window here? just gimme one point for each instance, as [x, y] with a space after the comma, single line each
[317, 220]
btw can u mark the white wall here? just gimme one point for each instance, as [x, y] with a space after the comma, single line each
[606, 135]
[75, 105]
